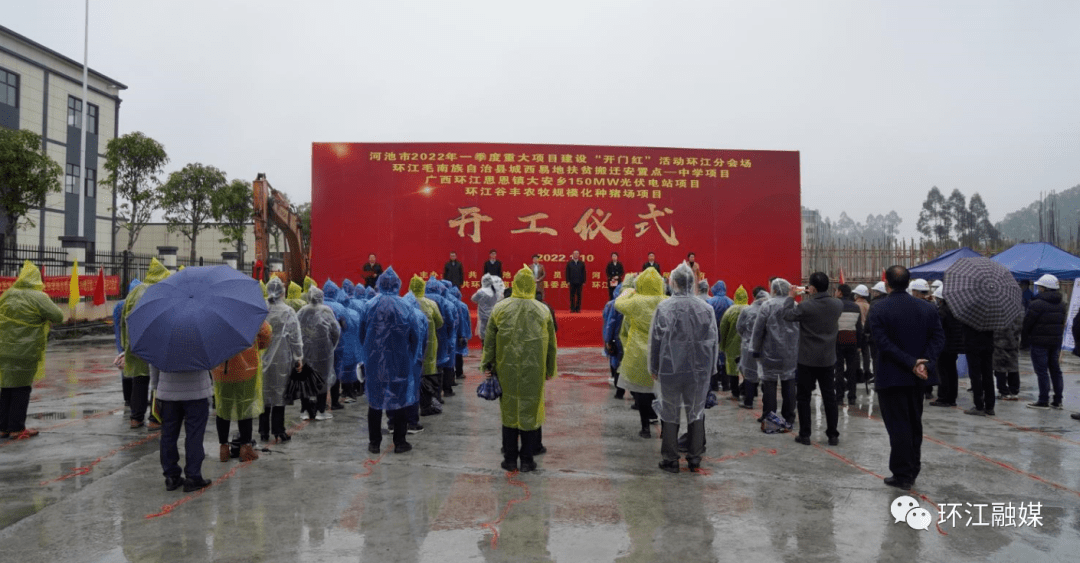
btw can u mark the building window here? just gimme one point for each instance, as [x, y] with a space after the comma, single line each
[74, 112]
[9, 88]
[71, 179]
[91, 182]
[91, 116]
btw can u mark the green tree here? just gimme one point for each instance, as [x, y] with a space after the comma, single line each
[27, 175]
[304, 211]
[983, 230]
[132, 165]
[934, 219]
[232, 207]
[186, 199]
[956, 207]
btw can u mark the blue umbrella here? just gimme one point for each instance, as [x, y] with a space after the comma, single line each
[197, 318]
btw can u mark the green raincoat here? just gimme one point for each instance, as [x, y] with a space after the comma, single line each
[431, 310]
[730, 342]
[135, 366]
[295, 297]
[262, 286]
[637, 307]
[25, 316]
[238, 383]
[520, 343]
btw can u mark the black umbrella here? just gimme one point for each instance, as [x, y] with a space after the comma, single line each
[982, 293]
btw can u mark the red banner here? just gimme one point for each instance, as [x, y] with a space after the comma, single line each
[413, 203]
[60, 286]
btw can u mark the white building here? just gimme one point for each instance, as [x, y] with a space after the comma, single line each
[41, 90]
[208, 245]
[811, 224]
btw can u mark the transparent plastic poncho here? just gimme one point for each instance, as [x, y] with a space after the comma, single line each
[285, 350]
[390, 337]
[321, 332]
[238, 383]
[775, 340]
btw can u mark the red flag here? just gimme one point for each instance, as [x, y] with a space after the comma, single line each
[883, 276]
[842, 282]
[99, 290]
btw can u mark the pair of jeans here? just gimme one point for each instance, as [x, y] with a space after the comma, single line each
[948, 377]
[847, 365]
[1048, 372]
[244, 426]
[13, 404]
[193, 416]
[140, 397]
[644, 403]
[530, 442]
[669, 441]
[901, 410]
[1008, 382]
[398, 419]
[807, 377]
[768, 398]
[272, 421]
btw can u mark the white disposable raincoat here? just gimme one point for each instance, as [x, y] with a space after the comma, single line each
[485, 298]
[683, 346]
[286, 345]
[776, 341]
[748, 364]
[321, 333]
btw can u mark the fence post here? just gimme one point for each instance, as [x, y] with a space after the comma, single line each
[125, 275]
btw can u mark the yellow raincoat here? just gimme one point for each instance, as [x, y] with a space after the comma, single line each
[262, 285]
[238, 382]
[730, 341]
[637, 307]
[417, 286]
[520, 343]
[25, 316]
[135, 366]
[294, 298]
[308, 284]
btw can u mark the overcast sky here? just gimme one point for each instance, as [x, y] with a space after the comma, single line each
[882, 100]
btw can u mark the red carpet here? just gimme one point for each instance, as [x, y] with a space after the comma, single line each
[575, 329]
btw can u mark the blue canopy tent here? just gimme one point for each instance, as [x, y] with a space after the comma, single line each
[935, 269]
[1030, 260]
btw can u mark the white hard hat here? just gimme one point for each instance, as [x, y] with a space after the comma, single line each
[936, 284]
[880, 287]
[861, 290]
[1048, 281]
[919, 284]
[940, 292]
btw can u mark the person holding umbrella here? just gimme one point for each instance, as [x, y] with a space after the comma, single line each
[391, 340]
[181, 327]
[284, 354]
[321, 332]
[25, 316]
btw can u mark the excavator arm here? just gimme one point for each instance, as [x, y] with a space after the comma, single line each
[273, 208]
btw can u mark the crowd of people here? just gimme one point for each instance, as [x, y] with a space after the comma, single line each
[670, 343]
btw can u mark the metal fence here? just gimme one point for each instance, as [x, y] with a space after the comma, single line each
[51, 261]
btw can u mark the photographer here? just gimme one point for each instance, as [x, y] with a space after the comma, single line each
[818, 316]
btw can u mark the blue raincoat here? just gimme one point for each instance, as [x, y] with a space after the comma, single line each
[370, 291]
[446, 334]
[349, 288]
[464, 327]
[613, 321]
[330, 299]
[720, 303]
[390, 335]
[118, 316]
[420, 320]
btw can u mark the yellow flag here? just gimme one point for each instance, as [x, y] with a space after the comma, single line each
[73, 297]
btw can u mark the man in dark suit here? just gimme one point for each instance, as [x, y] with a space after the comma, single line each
[371, 272]
[493, 266]
[453, 272]
[615, 272]
[652, 264]
[575, 278]
[908, 337]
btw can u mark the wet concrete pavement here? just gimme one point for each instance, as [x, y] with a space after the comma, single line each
[90, 489]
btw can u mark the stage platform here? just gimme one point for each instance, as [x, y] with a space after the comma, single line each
[576, 330]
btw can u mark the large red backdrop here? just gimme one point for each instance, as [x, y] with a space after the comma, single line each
[414, 203]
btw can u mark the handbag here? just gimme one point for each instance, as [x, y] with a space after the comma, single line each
[489, 389]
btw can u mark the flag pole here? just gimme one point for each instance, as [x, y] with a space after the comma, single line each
[85, 114]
